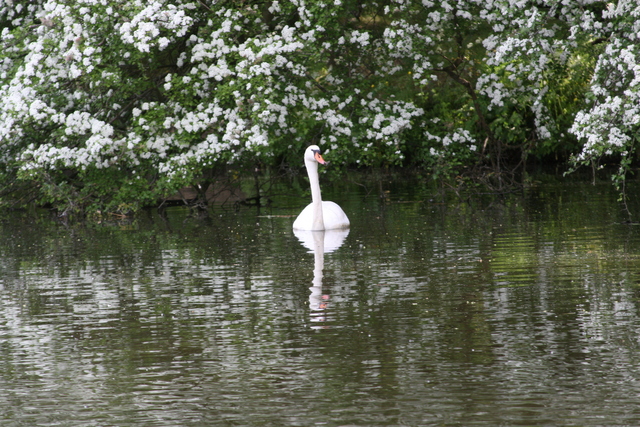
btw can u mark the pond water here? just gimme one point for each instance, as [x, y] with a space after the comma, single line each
[522, 310]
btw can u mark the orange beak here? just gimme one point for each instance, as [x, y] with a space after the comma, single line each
[319, 158]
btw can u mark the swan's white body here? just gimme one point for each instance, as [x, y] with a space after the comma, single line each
[318, 215]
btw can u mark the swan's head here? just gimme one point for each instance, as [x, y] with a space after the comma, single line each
[312, 154]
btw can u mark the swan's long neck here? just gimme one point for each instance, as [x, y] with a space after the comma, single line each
[316, 198]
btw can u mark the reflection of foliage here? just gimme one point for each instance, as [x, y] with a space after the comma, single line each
[418, 287]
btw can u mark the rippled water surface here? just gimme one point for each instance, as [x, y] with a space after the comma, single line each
[431, 311]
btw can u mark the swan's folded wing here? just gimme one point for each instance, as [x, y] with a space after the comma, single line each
[334, 216]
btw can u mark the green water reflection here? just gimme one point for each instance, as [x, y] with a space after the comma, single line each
[494, 311]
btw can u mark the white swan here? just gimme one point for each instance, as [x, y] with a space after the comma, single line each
[318, 215]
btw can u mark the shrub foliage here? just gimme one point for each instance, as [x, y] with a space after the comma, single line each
[115, 104]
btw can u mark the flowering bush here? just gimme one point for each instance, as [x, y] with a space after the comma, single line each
[112, 103]
[609, 123]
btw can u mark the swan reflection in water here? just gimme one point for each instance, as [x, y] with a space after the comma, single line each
[319, 243]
